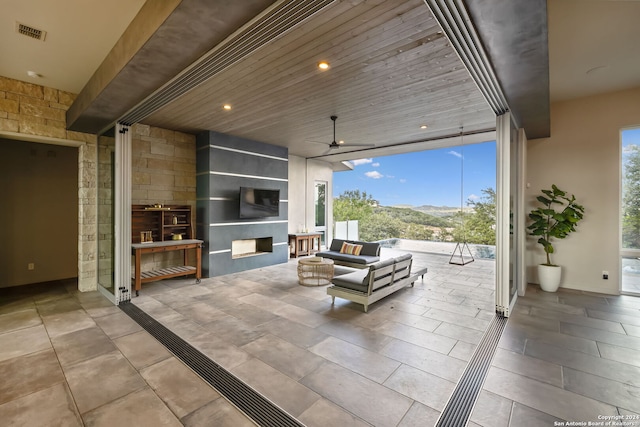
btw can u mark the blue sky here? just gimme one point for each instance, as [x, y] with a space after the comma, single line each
[423, 178]
[630, 137]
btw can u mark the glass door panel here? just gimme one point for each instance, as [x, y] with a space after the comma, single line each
[514, 195]
[105, 215]
[320, 208]
[509, 206]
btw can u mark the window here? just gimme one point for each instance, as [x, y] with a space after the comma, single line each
[630, 210]
[320, 197]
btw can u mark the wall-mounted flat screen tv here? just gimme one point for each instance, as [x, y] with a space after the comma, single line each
[259, 202]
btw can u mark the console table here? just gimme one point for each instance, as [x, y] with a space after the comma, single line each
[304, 244]
[139, 249]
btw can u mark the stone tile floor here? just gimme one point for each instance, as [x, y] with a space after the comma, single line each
[565, 356]
[73, 357]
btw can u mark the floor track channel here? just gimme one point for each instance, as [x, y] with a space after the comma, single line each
[261, 410]
[458, 409]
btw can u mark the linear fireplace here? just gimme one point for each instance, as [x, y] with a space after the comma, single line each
[251, 247]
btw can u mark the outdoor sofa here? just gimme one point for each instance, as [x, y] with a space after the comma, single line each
[379, 280]
[352, 253]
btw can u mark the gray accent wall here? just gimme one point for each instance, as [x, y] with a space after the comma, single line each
[225, 163]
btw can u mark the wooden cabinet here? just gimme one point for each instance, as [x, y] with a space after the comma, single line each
[166, 228]
[161, 223]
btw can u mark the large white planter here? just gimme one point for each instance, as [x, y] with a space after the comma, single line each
[549, 277]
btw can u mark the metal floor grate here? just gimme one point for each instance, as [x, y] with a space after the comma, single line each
[458, 409]
[261, 410]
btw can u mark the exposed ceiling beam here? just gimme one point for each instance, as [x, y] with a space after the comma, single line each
[164, 38]
[263, 29]
[514, 35]
[506, 55]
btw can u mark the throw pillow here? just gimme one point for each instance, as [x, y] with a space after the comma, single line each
[348, 248]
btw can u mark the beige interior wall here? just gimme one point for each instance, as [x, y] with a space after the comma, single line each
[582, 156]
[297, 180]
[303, 174]
[319, 171]
[39, 193]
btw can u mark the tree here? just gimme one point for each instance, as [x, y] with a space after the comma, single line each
[413, 231]
[353, 205]
[380, 226]
[631, 200]
[480, 224]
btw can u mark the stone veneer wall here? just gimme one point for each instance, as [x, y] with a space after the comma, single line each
[163, 171]
[33, 111]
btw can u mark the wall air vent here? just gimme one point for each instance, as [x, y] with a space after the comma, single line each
[28, 31]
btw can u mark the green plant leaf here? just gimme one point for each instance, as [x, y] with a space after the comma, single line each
[557, 191]
[543, 200]
[556, 218]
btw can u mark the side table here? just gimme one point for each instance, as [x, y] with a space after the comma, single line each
[304, 244]
[139, 249]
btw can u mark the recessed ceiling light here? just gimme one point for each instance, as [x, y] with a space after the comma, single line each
[323, 65]
[340, 142]
[226, 107]
[424, 127]
[34, 74]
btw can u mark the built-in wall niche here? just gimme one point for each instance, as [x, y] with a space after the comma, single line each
[251, 247]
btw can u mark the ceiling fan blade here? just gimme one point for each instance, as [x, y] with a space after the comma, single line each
[335, 145]
[357, 145]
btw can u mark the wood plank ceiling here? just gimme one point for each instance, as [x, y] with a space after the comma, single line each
[392, 70]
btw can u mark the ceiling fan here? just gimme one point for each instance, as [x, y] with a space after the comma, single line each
[335, 144]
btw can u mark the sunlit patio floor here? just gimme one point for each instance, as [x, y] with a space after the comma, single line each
[563, 356]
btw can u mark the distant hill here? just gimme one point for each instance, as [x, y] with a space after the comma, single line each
[414, 216]
[437, 211]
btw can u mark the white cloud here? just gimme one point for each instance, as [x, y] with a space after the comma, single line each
[376, 164]
[390, 176]
[374, 174]
[474, 197]
[455, 153]
[359, 162]
[402, 180]
[628, 149]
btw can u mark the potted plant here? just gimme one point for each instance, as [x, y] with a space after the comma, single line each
[556, 218]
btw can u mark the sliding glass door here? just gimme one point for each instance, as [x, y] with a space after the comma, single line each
[105, 215]
[114, 214]
[510, 149]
